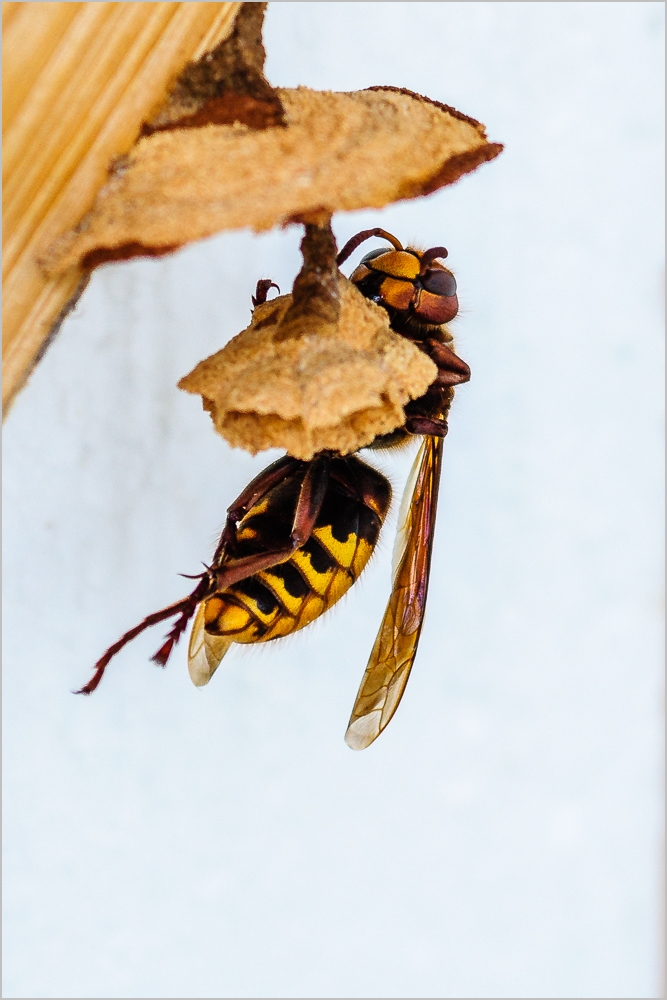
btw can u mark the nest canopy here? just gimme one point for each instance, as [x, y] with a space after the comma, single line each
[336, 387]
[334, 152]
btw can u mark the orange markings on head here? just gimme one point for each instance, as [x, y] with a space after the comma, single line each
[397, 264]
[397, 294]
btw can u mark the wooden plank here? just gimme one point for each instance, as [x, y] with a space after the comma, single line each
[78, 81]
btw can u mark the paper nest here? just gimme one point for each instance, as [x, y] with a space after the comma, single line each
[338, 152]
[315, 391]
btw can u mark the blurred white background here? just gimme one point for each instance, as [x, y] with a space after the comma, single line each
[502, 838]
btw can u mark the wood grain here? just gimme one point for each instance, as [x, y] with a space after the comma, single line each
[78, 81]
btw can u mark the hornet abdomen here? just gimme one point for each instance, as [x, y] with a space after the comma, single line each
[280, 600]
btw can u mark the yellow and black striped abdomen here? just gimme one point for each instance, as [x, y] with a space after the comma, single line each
[285, 598]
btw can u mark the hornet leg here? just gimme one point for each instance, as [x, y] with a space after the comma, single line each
[308, 507]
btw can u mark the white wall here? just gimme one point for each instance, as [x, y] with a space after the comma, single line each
[502, 838]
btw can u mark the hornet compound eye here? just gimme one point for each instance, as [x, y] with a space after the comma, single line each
[439, 282]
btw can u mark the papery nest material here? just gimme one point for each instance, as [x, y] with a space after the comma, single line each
[336, 387]
[334, 152]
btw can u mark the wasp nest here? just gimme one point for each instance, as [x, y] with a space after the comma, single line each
[217, 149]
[312, 379]
[334, 152]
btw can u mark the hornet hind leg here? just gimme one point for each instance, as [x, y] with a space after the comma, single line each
[226, 571]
